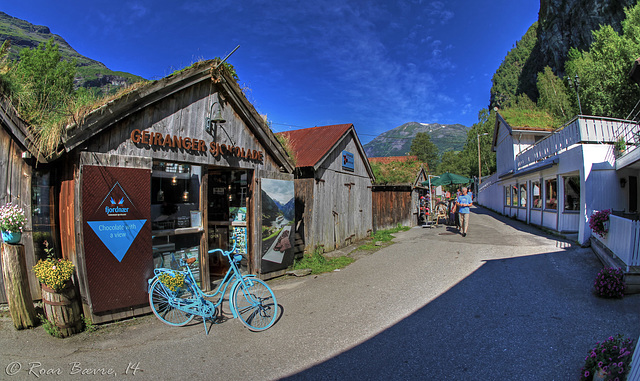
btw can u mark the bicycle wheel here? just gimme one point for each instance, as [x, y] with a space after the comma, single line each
[163, 303]
[255, 304]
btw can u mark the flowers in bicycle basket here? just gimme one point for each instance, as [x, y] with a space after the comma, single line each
[173, 280]
[598, 222]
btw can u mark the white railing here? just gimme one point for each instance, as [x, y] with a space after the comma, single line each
[623, 239]
[583, 129]
[630, 135]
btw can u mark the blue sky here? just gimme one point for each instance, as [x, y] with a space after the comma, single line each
[376, 64]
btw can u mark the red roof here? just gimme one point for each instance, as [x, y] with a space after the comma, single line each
[310, 145]
[391, 159]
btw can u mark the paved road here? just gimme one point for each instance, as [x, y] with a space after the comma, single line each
[505, 303]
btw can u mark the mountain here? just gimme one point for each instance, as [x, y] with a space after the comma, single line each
[561, 25]
[91, 74]
[397, 142]
[287, 209]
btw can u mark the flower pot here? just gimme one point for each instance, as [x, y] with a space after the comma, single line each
[63, 309]
[11, 237]
[600, 375]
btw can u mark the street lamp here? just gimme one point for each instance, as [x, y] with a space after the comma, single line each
[576, 83]
[479, 165]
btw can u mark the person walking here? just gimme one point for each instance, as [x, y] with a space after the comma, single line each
[457, 209]
[463, 202]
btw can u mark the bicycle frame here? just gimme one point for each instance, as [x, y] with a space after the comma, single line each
[199, 305]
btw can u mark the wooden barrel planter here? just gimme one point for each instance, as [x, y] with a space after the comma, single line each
[63, 309]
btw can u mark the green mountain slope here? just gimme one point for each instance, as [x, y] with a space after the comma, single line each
[91, 74]
[397, 142]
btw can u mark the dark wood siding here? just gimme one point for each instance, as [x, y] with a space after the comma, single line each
[15, 187]
[392, 206]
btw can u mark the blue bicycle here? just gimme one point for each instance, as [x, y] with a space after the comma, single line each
[175, 297]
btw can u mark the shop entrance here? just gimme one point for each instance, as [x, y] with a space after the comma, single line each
[228, 211]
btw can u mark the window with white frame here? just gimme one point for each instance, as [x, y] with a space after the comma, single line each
[571, 193]
[536, 195]
[551, 194]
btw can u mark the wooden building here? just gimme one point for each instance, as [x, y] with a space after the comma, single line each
[332, 186]
[398, 203]
[16, 166]
[171, 169]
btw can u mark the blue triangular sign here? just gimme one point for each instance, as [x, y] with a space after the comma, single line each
[117, 235]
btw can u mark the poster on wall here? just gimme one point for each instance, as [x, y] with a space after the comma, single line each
[278, 214]
[116, 210]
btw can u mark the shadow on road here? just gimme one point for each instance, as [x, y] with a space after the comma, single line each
[524, 318]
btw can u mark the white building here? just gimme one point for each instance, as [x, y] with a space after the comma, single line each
[557, 179]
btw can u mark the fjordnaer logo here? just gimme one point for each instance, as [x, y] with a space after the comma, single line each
[116, 208]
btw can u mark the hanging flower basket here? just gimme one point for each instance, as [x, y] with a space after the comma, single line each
[599, 222]
[12, 221]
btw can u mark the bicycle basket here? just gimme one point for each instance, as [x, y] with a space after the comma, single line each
[173, 280]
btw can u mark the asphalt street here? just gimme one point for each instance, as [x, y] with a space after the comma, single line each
[507, 302]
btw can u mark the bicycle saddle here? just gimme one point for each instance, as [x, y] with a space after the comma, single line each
[189, 261]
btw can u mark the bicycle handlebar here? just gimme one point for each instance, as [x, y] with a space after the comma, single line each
[189, 261]
[226, 253]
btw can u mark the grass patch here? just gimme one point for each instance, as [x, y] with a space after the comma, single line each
[49, 326]
[319, 264]
[88, 325]
[382, 236]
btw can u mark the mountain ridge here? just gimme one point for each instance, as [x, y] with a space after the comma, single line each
[397, 141]
[91, 74]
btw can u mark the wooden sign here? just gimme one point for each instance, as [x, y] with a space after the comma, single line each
[157, 139]
[116, 209]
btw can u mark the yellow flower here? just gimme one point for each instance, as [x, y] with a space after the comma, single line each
[54, 273]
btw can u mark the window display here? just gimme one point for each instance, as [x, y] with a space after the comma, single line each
[176, 219]
[175, 190]
[572, 193]
[168, 249]
[551, 194]
[523, 195]
[536, 197]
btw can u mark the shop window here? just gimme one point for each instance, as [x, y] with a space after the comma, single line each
[42, 213]
[507, 196]
[514, 195]
[523, 195]
[169, 248]
[175, 194]
[571, 193]
[536, 195]
[176, 220]
[551, 194]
